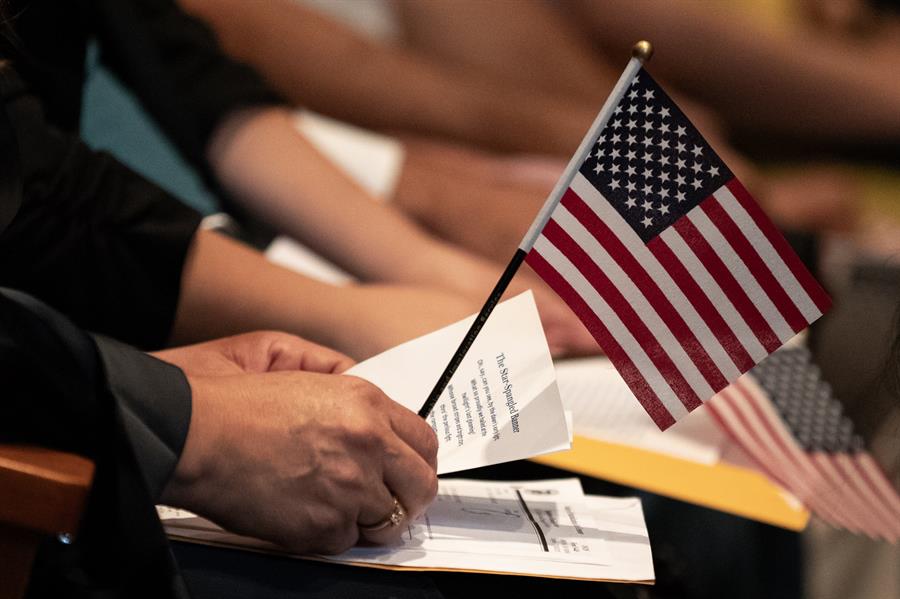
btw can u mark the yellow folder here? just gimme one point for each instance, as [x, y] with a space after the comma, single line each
[722, 486]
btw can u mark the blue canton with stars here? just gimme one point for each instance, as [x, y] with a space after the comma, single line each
[806, 403]
[650, 162]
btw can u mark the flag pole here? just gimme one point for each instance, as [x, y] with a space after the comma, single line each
[640, 53]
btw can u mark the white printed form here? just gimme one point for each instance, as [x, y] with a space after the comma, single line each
[501, 405]
[540, 528]
[515, 519]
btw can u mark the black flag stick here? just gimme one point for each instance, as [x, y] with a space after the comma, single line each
[469, 339]
[640, 53]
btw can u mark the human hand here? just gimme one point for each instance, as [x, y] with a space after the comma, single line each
[302, 459]
[261, 351]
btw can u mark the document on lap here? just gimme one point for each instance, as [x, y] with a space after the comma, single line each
[501, 405]
[538, 528]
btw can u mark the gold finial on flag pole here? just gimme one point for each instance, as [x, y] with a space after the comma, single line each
[642, 50]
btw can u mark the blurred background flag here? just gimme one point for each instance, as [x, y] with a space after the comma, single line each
[665, 257]
[788, 421]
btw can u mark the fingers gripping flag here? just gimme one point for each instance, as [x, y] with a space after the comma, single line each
[668, 261]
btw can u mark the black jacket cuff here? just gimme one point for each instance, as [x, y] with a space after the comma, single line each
[154, 400]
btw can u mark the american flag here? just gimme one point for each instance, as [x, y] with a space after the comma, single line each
[785, 417]
[668, 261]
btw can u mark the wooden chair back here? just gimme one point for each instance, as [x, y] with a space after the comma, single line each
[42, 493]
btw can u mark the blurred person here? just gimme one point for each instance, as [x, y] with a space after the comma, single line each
[762, 87]
[85, 222]
[231, 126]
[786, 84]
[496, 75]
[257, 431]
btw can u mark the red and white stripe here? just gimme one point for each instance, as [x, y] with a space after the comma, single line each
[885, 508]
[876, 480]
[845, 490]
[769, 443]
[688, 312]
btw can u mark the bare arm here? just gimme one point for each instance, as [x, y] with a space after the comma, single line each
[281, 177]
[277, 173]
[798, 85]
[531, 44]
[316, 62]
[284, 179]
[228, 288]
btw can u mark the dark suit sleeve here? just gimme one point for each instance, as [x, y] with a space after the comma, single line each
[49, 368]
[175, 66]
[66, 389]
[91, 238]
[153, 400]
[125, 411]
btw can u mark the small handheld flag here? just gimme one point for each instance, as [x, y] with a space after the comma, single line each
[663, 255]
[787, 420]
